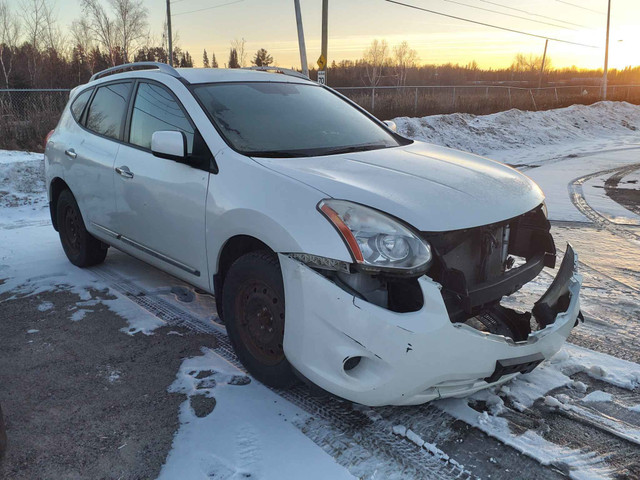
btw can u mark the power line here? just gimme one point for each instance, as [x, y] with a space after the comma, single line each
[507, 14]
[208, 8]
[528, 13]
[490, 25]
[580, 6]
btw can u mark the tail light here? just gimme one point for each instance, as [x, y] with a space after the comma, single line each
[46, 139]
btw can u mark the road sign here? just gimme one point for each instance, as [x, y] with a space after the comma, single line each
[322, 77]
[322, 62]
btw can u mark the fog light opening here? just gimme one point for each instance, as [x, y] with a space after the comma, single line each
[350, 363]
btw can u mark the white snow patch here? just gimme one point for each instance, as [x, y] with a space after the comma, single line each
[432, 448]
[245, 434]
[517, 137]
[114, 376]
[597, 396]
[14, 156]
[33, 330]
[44, 306]
[78, 315]
[583, 465]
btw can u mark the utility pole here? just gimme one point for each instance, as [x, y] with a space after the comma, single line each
[325, 33]
[544, 59]
[606, 55]
[301, 44]
[169, 32]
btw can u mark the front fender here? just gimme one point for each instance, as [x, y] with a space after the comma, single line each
[283, 216]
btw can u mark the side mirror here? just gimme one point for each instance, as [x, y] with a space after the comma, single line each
[391, 124]
[169, 144]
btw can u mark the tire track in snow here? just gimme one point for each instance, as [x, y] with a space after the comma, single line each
[579, 201]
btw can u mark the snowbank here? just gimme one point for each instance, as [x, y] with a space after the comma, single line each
[583, 127]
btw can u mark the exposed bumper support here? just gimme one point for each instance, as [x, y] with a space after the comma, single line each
[408, 358]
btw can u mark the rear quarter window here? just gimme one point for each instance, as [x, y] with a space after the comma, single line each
[77, 107]
[107, 111]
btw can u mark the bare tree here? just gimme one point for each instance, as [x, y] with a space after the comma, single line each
[375, 57]
[33, 12]
[103, 27]
[82, 38]
[9, 35]
[239, 47]
[131, 24]
[530, 63]
[404, 58]
[54, 39]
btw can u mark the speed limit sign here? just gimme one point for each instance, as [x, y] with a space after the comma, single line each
[322, 77]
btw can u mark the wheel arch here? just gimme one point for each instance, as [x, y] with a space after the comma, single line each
[56, 187]
[233, 248]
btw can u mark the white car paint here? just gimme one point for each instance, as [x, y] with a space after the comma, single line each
[408, 358]
[179, 218]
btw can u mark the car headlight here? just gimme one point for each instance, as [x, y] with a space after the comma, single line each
[377, 241]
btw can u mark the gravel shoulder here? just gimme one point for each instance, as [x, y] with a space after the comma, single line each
[82, 399]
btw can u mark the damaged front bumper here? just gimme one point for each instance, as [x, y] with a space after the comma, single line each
[374, 356]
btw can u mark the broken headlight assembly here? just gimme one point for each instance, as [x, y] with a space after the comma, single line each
[377, 242]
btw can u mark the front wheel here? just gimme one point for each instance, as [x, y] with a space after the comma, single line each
[82, 248]
[253, 308]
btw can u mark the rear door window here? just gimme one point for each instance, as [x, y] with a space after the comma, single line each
[108, 108]
[77, 107]
[156, 109]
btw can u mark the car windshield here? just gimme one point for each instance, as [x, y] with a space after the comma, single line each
[269, 119]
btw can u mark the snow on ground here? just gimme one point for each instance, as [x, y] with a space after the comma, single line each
[517, 137]
[525, 390]
[23, 197]
[250, 433]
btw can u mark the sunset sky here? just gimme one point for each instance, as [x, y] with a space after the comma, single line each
[353, 24]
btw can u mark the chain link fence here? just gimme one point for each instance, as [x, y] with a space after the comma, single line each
[26, 116]
[419, 101]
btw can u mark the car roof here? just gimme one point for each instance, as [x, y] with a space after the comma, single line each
[207, 75]
[214, 75]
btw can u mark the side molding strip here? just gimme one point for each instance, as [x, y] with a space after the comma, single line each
[148, 250]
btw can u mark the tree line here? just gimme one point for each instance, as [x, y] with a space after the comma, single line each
[36, 53]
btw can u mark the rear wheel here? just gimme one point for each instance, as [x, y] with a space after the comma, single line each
[82, 248]
[254, 310]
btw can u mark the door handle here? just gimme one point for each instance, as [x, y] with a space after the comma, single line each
[124, 171]
[71, 153]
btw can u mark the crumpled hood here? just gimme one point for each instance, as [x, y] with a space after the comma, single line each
[430, 187]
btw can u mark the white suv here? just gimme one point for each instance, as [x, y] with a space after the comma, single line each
[339, 252]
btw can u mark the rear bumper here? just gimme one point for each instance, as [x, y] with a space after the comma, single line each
[407, 358]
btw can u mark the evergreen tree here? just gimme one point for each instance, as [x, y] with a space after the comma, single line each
[262, 58]
[233, 59]
[205, 60]
[214, 62]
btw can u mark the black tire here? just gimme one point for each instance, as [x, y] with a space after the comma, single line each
[3, 435]
[253, 308]
[82, 248]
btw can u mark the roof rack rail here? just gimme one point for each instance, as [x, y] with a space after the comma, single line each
[285, 71]
[163, 67]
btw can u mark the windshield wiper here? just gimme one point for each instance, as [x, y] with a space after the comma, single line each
[355, 148]
[277, 154]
